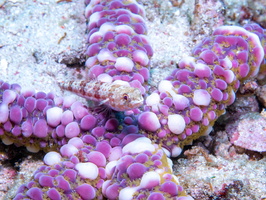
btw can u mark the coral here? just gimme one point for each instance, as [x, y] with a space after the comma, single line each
[107, 158]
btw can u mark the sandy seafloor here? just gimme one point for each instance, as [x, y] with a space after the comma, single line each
[39, 39]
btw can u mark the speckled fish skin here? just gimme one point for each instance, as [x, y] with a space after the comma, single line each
[117, 97]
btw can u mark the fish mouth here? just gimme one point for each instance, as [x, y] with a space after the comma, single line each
[138, 103]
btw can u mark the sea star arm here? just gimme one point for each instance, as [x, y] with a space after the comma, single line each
[189, 101]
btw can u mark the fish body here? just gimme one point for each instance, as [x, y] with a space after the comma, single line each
[117, 97]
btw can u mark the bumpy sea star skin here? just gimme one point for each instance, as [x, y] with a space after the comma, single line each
[188, 102]
[104, 161]
[91, 169]
[118, 48]
[102, 158]
[118, 54]
[44, 121]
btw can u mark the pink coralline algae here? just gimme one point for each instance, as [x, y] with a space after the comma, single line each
[91, 157]
[249, 132]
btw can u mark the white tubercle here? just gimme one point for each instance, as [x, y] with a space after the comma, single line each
[176, 123]
[107, 26]
[53, 116]
[150, 179]
[166, 86]
[153, 99]
[229, 76]
[94, 36]
[124, 64]
[4, 112]
[176, 151]
[139, 145]
[110, 167]
[52, 158]
[201, 97]
[87, 170]
[140, 57]
[105, 78]
[127, 193]
[120, 82]
[106, 55]
[91, 61]
[90, 6]
[77, 142]
[68, 150]
[8, 96]
[124, 29]
[94, 18]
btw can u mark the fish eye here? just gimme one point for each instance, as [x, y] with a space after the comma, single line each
[125, 96]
